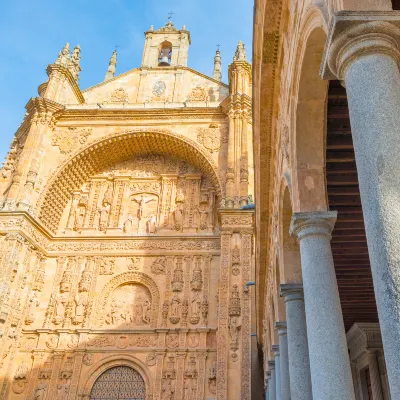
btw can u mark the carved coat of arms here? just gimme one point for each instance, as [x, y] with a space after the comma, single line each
[68, 139]
[210, 138]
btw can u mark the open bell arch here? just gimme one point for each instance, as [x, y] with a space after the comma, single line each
[113, 149]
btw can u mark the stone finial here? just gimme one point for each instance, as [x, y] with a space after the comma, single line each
[111, 66]
[63, 56]
[75, 61]
[151, 28]
[217, 74]
[240, 53]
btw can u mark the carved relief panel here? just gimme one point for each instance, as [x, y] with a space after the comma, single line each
[147, 195]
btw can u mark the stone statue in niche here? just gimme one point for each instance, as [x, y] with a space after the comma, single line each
[60, 304]
[234, 329]
[130, 305]
[195, 309]
[80, 212]
[31, 311]
[40, 392]
[81, 301]
[203, 212]
[104, 212]
[178, 216]
[175, 310]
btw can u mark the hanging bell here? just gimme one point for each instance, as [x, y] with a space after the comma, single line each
[164, 61]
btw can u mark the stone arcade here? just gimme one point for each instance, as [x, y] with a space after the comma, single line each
[326, 99]
[126, 232]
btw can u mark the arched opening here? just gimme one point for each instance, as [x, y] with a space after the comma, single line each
[121, 382]
[165, 54]
[310, 127]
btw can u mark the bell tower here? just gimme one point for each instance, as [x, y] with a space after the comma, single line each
[166, 47]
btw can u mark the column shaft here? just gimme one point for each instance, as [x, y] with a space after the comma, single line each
[278, 376]
[375, 376]
[299, 365]
[272, 386]
[284, 360]
[329, 361]
[373, 89]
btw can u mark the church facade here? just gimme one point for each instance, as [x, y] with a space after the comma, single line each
[126, 232]
[326, 119]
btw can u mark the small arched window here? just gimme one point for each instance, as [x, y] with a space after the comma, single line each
[164, 59]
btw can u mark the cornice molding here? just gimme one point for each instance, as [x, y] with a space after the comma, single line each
[142, 113]
[146, 69]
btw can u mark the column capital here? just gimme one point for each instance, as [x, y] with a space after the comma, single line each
[353, 34]
[275, 349]
[291, 291]
[317, 223]
[281, 327]
[271, 365]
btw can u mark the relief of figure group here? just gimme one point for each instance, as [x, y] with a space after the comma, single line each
[122, 312]
[128, 201]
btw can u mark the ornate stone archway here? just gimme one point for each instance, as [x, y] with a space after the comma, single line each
[117, 361]
[110, 150]
[119, 382]
[124, 279]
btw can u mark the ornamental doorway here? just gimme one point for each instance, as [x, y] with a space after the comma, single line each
[119, 383]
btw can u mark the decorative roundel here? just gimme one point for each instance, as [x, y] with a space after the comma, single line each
[159, 88]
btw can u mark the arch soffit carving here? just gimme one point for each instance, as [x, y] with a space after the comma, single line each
[101, 153]
[125, 278]
[117, 360]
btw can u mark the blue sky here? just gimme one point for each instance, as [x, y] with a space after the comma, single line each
[33, 32]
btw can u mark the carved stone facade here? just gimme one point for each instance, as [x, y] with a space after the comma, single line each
[123, 243]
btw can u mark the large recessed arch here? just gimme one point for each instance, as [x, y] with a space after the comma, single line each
[309, 117]
[126, 278]
[113, 149]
